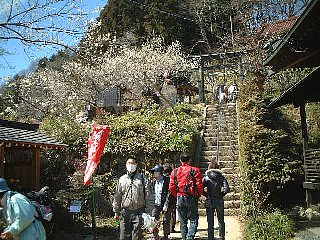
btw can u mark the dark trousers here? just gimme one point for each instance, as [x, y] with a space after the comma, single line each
[131, 223]
[166, 219]
[173, 218]
[217, 205]
[188, 209]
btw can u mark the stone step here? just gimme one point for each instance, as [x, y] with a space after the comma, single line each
[224, 154]
[227, 150]
[223, 118]
[214, 122]
[224, 166]
[230, 170]
[224, 158]
[224, 151]
[233, 181]
[224, 131]
[222, 107]
[230, 155]
[225, 170]
[232, 196]
[214, 111]
[211, 120]
[213, 139]
[232, 204]
[227, 145]
[232, 137]
[227, 212]
[224, 122]
[229, 131]
[226, 127]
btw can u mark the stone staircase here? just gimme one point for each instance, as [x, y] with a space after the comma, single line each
[228, 151]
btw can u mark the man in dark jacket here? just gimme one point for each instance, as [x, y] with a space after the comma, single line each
[217, 187]
[186, 185]
[170, 205]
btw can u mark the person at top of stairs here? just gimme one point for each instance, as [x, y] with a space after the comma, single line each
[216, 187]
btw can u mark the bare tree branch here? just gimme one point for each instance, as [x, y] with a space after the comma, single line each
[47, 22]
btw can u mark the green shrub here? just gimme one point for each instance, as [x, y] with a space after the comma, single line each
[268, 226]
[151, 134]
[269, 154]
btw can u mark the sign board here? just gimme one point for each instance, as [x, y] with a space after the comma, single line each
[75, 206]
[170, 93]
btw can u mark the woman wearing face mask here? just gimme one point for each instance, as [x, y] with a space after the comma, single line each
[160, 188]
[20, 216]
[132, 197]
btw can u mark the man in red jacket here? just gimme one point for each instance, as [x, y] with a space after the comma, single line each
[186, 185]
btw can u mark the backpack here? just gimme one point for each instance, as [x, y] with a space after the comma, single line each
[42, 205]
[190, 188]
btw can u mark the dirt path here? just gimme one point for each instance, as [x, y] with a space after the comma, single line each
[233, 229]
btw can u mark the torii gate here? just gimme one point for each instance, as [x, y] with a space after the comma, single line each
[212, 56]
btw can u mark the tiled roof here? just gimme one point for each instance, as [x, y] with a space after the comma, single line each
[17, 136]
[278, 28]
[299, 48]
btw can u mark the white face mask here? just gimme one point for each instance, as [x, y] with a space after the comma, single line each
[156, 174]
[131, 167]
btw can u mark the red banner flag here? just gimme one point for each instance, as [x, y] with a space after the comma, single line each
[96, 143]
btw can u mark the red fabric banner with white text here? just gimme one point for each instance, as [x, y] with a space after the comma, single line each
[96, 143]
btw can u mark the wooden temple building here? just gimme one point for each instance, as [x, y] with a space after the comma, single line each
[300, 48]
[20, 147]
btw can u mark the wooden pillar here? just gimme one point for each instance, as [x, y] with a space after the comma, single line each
[201, 82]
[1, 161]
[304, 131]
[37, 169]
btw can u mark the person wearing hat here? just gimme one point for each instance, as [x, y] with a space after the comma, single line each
[20, 216]
[160, 187]
[170, 205]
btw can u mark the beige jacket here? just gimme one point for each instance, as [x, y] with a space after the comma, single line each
[132, 194]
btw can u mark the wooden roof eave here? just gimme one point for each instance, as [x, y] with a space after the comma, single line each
[302, 92]
[272, 59]
[5, 142]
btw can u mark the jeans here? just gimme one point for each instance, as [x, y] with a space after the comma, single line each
[131, 223]
[212, 205]
[188, 209]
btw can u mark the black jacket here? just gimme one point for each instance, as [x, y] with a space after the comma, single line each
[216, 183]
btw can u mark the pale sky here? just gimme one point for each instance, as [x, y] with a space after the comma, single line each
[19, 58]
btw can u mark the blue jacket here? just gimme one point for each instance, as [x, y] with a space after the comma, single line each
[19, 214]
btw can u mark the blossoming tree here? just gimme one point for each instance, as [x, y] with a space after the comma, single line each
[82, 79]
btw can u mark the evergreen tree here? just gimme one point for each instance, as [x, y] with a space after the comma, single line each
[145, 19]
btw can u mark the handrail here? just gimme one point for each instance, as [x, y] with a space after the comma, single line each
[219, 123]
[201, 134]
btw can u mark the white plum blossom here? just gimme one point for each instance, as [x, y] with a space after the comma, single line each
[80, 81]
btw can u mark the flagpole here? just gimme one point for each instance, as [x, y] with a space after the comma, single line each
[96, 144]
[93, 210]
